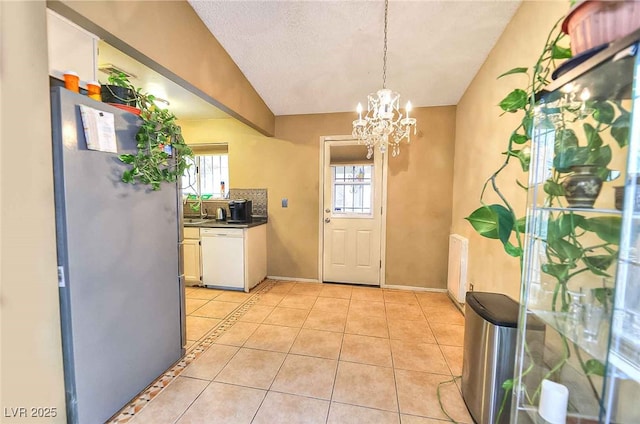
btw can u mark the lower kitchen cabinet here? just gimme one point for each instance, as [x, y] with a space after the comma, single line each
[234, 258]
[255, 242]
[191, 254]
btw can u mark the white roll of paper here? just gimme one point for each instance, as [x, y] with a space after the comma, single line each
[553, 402]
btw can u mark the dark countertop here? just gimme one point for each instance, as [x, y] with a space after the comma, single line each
[213, 223]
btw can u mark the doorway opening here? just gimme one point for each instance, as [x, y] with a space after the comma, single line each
[352, 213]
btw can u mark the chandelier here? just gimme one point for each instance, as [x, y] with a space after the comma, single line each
[383, 124]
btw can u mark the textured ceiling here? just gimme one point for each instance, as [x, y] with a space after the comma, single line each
[326, 56]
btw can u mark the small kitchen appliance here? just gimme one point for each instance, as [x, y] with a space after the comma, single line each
[221, 214]
[240, 211]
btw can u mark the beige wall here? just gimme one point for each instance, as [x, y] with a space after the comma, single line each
[282, 167]
[288, 166]
[481, 136]
[31, 364]
[170, 34]
[419, 202]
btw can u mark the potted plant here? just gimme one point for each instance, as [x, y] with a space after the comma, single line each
[574, 245]
[581, 157]
[162, 152]
[590, 23]
[119, 90]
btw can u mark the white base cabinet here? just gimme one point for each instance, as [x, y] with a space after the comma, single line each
[191, 256]
[234, 258]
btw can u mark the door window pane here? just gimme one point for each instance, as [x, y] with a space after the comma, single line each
[352, 189]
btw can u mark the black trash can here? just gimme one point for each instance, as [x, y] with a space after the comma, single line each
[490, 334]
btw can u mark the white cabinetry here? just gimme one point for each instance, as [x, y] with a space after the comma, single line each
[255, 242]
[234, 258]
[191, 255]
[71, 48]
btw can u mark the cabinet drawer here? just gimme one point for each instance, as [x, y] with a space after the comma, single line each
[191, 232]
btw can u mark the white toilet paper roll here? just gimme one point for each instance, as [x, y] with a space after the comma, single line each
[553, 402]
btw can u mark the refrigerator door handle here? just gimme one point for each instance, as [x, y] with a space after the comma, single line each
[183, 313]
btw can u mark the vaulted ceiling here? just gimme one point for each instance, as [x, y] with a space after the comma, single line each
[326, 56]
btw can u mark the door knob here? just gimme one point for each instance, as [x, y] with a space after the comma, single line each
[327, 210]
[327, 220]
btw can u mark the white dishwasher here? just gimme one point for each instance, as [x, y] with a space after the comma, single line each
[223, 257]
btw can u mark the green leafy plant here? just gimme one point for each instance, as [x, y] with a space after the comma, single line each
[162, 152]
[119, 90]
[574, 243]
[500, 221]
[119, 79]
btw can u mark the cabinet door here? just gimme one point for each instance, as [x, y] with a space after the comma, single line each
[191, 260]
[71, 48]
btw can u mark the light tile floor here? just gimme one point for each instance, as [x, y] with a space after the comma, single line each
[318, 353]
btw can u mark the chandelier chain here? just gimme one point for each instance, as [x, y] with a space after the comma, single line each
[384, 54]
[383, 123]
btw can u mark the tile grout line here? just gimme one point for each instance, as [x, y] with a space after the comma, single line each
[335, 376]
[393, 365]
[266, 392]
[253, 300]
[453, 378]
[136, 405]
[269, 389]
[192, 402]
[441, 351]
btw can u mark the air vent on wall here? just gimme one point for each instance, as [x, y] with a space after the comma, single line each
[109, 68]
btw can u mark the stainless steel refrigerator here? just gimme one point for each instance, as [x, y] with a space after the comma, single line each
[121, 291]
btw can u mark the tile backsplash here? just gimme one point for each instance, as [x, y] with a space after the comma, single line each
[258, 196]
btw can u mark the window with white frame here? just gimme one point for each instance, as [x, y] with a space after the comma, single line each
[352, 189]
[208, 176]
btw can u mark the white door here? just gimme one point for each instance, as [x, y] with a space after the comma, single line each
[351, 214]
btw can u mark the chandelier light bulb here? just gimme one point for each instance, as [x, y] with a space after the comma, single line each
[383, 123]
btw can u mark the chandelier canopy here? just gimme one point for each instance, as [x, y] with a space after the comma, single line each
[383, 124]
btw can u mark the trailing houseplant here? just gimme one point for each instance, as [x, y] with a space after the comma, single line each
[162, 152]
[118, 90]
[573, 243]
[500, 221]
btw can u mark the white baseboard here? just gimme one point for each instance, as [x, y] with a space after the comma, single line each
[413, 288]
[302, 280]
[387, 286]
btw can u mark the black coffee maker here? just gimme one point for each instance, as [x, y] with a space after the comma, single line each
[240, 211]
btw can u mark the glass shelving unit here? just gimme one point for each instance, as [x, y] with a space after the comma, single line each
[581, 269]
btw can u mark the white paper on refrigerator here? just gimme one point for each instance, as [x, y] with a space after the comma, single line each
[99, 129]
